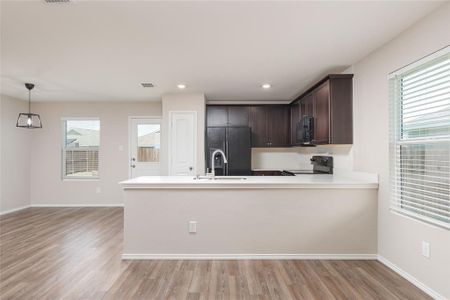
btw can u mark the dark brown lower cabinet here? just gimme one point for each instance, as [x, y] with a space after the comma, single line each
[266, 173]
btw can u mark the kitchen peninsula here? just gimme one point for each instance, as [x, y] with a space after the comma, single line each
[308, 216]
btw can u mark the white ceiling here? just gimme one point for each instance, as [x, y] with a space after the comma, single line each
[103, 50]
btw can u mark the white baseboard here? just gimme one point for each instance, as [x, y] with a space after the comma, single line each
[432, 293]
[76, 205]
[126, 256]
[58, 205]
[13, 210]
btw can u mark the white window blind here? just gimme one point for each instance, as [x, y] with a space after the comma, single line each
[420, 139]
[80, 148]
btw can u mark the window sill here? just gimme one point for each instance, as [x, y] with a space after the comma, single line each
[416, 218]
[82, 179]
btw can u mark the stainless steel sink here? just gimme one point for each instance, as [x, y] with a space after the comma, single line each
[202, 178]
[230, 178]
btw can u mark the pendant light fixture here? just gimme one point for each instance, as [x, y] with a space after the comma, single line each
[29, 120]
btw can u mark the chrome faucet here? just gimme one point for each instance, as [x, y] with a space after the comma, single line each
[213, 155]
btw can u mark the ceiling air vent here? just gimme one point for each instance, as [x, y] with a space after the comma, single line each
[58, 1]
[147, 84]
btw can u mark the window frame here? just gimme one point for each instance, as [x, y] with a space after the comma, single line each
[63, 148]
[395, 133]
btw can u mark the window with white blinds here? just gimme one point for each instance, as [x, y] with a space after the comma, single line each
[420, 139]
[80, 148]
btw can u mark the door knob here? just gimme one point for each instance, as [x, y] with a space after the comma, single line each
[190, 168]
[133, 166]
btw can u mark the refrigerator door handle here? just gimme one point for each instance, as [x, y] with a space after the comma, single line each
[226, 153]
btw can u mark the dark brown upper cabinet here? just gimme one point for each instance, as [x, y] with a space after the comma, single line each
[226, 115]
[216, 115]
[237, 116]
[330, 102]
[341, 109]
[278, 119]
[295, 118]
[270, 125]
[258, 125]
[321, 113]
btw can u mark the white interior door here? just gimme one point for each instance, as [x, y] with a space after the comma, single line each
[145, 136]
[182, 142]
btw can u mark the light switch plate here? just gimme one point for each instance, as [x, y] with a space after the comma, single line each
[426, 249]
[192, 227]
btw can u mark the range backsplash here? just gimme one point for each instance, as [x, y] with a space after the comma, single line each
[298, 158]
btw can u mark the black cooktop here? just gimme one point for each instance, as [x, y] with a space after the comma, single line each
[298, 172]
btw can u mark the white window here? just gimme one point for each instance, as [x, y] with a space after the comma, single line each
[420, 139]
[80, 148]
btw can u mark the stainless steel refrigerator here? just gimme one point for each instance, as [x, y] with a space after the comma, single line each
[235, 142]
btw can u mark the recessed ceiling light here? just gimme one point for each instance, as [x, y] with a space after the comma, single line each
[181, 86]
[266, 86]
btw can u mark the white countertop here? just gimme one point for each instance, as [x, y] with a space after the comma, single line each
[344, 180]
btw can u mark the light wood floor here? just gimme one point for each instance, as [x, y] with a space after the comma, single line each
[74, 253]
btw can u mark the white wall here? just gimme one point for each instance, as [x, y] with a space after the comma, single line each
[183, 102]
[249, 221]
[14, 156]
[399, 238]
[47, 187]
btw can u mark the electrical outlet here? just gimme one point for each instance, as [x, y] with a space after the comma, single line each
[98, 190]
[192, 227]
[121, 148]
[426, 249]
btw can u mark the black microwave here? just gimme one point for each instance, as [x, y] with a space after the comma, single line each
[305, 131]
